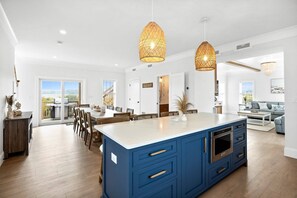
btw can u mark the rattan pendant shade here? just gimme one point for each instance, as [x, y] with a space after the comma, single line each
[152, 44]
[205, 59]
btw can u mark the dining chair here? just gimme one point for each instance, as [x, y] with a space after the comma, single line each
[127, 114]
[146, 116]
[112, 120]
[170, 113]
[75, 120]
[130, 110]
[84, 105]
[119, 109]
[192, 111]
[108, 121]
[90, 131]
[110, 107]
[81, 122]
[173, 113]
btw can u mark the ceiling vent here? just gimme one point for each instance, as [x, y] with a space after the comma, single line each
[243, 46]
[150, 65]
[134, 69]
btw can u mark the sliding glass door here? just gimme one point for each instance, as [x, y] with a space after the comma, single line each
[58, 98]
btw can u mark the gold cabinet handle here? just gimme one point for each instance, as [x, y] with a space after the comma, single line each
[158, 152]
[240, 155]
[221, 170]
[157, 174]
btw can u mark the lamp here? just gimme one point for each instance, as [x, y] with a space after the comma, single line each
[268, 67]
[152, 44]
[205, 59]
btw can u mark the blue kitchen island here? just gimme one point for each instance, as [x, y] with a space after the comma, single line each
[167, 157]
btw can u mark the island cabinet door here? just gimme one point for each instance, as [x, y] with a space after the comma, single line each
[193, 158]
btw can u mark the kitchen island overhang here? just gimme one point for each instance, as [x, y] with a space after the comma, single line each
[163, 156]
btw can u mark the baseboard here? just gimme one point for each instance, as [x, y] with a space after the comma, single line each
[290, 152]
[1, 158]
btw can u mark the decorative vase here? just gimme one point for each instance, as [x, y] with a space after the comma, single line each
[9, 111]
[184, 117]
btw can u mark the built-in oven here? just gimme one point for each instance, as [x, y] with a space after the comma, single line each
[221, 143]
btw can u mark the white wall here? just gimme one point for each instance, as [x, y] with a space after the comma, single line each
[30, 72]
[261, 86]
[200, 84]
[289, 47]
[6, 73]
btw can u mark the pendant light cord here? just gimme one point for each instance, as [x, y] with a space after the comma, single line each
[152, 10]
[204, 29]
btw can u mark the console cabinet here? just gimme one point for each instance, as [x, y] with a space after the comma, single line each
[17, 134]
[178, 167]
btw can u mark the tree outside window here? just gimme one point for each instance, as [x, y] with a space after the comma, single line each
[109, 92]
[246, 92]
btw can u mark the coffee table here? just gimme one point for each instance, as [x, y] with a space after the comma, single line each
[260, 114]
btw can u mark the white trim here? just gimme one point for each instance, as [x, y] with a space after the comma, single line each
[229, 47]
[290, 152]
[1, 158]
[62, 80]
[4, 22]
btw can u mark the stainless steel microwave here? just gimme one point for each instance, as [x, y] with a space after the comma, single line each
[221, 143]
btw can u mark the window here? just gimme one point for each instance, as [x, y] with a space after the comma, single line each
[246, 92]
[109, 92]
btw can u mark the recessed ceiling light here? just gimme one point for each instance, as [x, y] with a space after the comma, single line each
[63, 32]
[116, 64]
[54, 57]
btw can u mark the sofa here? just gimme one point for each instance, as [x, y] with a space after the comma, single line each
[276, 109]
[280, 124]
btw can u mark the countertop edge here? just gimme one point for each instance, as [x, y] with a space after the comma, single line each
[145, 143]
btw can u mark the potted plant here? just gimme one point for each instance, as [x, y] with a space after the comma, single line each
[183, 104]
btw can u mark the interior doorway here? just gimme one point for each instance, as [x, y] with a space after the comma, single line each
[163, 94]
[134, 95]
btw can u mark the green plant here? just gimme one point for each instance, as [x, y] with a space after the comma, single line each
[183, 103]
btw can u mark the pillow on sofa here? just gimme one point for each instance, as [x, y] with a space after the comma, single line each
[263, 105]
[255, 105]
[273, 107]
[280, 107]
[269, 106]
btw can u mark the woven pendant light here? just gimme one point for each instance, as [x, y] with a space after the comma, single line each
[152, 44]
[205, 58]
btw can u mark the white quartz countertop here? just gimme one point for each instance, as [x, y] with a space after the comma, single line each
[139, 133]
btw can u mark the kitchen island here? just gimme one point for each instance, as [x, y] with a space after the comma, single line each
[167, 157]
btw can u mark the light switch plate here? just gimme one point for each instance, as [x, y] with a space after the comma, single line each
[114, 158]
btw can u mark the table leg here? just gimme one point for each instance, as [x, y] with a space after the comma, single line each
[263, 121]
[270, 119]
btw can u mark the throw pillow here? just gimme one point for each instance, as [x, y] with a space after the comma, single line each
[274, 107]
[281, 107]
[263, 105]
[269, 106]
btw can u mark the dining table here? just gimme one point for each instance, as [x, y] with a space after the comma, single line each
[95, 114]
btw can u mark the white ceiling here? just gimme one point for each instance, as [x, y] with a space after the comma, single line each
[106, 32]
[254, 62]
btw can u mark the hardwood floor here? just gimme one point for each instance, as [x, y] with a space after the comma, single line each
[269, 172]
[60, 165]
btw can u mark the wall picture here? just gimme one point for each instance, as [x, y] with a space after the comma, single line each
[277, 86]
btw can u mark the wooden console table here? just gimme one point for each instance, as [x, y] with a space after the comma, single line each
[17, 134]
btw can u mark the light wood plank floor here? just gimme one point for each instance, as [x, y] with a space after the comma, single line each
[60, 165]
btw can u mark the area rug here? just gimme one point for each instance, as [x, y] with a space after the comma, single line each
[267, 127]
